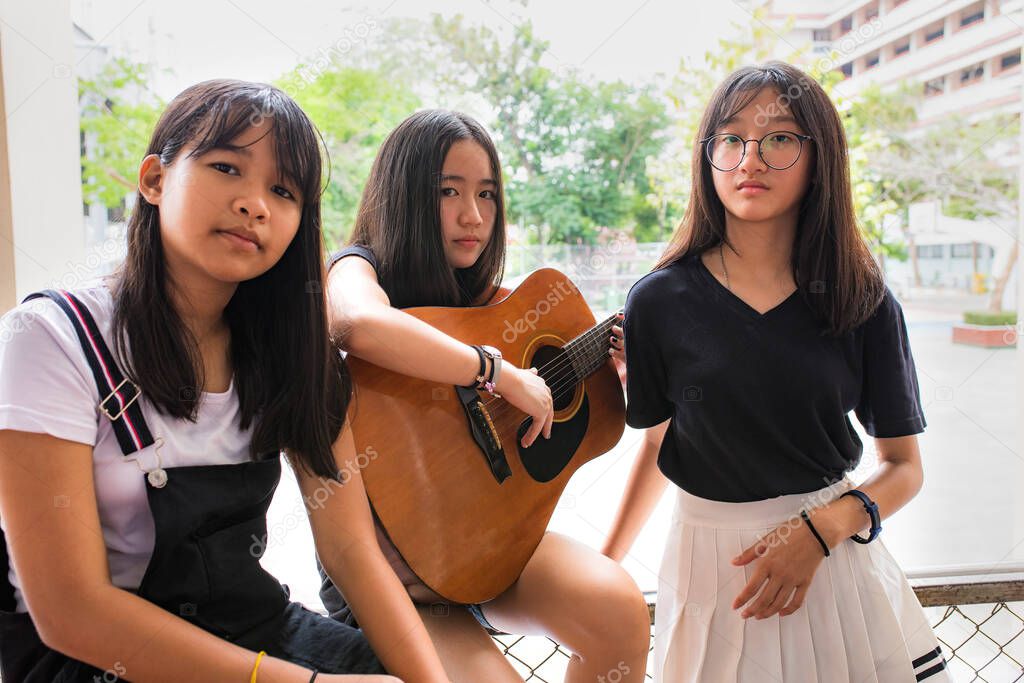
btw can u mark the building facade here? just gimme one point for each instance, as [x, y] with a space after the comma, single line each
[964, 58]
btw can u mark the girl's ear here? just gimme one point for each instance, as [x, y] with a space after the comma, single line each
[151, 177]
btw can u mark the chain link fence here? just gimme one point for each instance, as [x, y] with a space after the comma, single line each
[981, 641]
[603, 272]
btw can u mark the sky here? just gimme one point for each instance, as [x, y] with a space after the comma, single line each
[633, 40]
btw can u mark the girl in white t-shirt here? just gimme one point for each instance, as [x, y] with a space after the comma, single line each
[141, 422]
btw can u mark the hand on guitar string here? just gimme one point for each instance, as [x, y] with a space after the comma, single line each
[618, 349]
[527, 391]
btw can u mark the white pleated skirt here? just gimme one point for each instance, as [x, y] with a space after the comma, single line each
[860, 621]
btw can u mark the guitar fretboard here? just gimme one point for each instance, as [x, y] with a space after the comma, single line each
[589, 351]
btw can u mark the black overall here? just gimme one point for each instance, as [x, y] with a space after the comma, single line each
[211, 530]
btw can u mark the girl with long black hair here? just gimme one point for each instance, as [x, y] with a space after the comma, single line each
[142, 421]
[763, 325]
[431, 231]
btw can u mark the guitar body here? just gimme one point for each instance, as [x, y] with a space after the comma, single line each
[466, 535]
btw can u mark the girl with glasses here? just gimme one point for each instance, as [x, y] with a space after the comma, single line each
[763, 325]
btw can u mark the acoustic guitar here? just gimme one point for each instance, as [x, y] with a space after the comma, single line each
[461, 499]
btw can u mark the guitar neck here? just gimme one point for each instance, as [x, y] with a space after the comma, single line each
[589, 351]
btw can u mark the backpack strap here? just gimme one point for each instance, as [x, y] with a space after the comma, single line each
[118, 394]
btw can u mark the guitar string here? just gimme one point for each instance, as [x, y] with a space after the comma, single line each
[567, 380]
[583, 349]
[573, 354]
[502, 411]
[595, 330]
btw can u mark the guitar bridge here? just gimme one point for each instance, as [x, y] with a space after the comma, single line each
[495, 440]
[484, 434]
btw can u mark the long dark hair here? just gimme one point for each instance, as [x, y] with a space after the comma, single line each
[290, 381]
[832, 263]
[399, 216]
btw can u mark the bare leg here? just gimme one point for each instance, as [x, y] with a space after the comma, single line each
[585, 601]
[466, 650]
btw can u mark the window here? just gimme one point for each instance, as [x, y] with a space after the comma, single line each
[846, 24]
[897, 3]
[871, 12]
[901, 47]
[936, 86]
[1010, 60]
[822, 35]
[847, 69]
[972, 14]
[972, 74]
[118, 214]
[985, 251]
[935, 32]
[930, 251]
[962, 250]
[871, 60]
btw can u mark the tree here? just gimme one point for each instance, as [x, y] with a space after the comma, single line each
[575, 151]
[956, 162]
[689, 92]
[117, 115]
[876, 122]
[888, 169]
[355, 109]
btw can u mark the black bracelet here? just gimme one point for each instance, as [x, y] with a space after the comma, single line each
[483, 367]
[807, 520]
[313, 677]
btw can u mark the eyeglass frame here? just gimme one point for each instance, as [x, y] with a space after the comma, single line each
[799, 136]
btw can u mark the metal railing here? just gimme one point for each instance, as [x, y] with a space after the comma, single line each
[978, 617]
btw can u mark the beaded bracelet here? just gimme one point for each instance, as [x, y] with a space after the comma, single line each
[492, 377]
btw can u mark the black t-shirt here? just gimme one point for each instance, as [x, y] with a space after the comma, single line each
[759, 403]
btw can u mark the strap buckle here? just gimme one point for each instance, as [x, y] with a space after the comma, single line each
[157, 477]
[113, 394]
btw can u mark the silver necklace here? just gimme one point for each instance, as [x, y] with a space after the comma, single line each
[725, 270]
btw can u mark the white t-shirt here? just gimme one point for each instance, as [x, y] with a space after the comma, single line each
[46, 387]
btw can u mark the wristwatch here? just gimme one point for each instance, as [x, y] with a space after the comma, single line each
[495, 356]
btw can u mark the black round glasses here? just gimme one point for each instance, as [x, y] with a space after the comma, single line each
[779, 149]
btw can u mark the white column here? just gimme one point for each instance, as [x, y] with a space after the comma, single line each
[8, 294]
[42, 237]
[1018, 527]
[1020, 278]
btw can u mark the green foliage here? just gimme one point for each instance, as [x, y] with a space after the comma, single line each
[118, 114]
[875, 124]
[575, 152]
[689, 92]
[865, 120]
[581, 156]
[990, 317]
[355, 109]
[954, 161]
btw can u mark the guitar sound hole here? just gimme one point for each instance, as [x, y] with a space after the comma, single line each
[554, 366]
